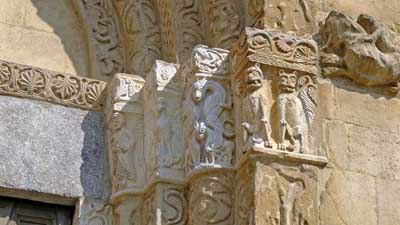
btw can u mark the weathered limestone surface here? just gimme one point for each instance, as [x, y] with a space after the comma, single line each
[51, 149]
[45, 34]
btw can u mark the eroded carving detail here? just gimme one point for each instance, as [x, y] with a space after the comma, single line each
[125, 124]
[296, 106]
[40, 84]
[365, 50]
[208, 116]
[256, 110]
[174, 206]
[211, 200]
[223, 23]
[141, 26]
[104, 31]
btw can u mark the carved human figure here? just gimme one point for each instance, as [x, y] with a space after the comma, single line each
[290, 113]
[165, 132]
[122, 145]
[363, 50]
[256, 125]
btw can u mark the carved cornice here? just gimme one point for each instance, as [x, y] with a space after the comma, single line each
[44, 85]
[279, 50]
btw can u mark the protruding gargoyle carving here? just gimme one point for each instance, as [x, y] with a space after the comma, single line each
[365, 50]
[296, 106]
[257, 126]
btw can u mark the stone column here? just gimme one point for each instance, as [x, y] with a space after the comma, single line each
[165, 201]
[209, 137]
[125, 123]
[275, 80]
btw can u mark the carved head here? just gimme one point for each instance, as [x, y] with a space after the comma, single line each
[117, 121]
[199, 90]
[287, 81]
[254, 78]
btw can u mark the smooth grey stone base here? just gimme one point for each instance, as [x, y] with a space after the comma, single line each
[51, 149]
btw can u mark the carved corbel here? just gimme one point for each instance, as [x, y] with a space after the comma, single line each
[208, 110]
[125, 124]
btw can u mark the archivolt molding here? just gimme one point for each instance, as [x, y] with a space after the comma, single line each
[105, 46]
[44, 85]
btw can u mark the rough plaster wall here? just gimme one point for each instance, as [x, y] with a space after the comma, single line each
[360, 132]
[43, 33]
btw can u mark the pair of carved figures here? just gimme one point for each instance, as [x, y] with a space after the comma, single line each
[295, 105]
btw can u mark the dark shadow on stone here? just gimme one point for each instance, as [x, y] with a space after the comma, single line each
[94, 169]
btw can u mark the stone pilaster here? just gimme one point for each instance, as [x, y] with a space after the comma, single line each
[125, 122]
[277, 163]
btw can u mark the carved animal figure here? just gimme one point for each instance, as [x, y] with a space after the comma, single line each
[257, 126]
[210, 103]
[296, 111]
[363, 50]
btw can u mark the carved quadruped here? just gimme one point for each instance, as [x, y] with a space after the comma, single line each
[275, 80]
[363, 50]
[125, 122]
[208, 121]
[104, 41]
[44, 85]
[211, 199]
[163, 122]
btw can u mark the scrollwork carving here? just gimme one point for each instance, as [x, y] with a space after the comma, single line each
[103, 30]
[211, 200]
[174, 206]
[40, 84]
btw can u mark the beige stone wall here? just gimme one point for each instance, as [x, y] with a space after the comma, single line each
[360, 133]
[43, 33]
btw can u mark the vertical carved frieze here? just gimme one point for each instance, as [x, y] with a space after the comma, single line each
[166, 9]
[244, 195]
[163, 116]
[125, 132]
[189, 27]
[223, 23]
[211, 199]
[172, 202]
[208, 119]
[103, 37]
[140, 23]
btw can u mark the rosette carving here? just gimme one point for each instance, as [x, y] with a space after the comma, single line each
[40, 84]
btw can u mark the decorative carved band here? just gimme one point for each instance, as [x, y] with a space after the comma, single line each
[282, 50]
[44, 85]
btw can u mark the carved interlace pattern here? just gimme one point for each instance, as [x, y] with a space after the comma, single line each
[40, 84]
